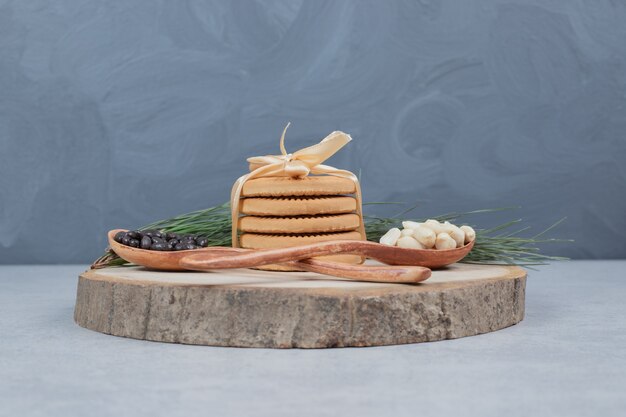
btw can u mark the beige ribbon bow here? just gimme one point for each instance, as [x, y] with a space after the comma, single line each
[296, 165]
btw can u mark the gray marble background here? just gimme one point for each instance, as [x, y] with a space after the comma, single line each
[115, 114]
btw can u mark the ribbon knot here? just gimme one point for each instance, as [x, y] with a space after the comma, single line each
[295, 165]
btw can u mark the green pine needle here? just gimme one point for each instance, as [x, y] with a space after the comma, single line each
[493, 246]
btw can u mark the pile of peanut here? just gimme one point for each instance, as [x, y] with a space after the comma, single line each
[428, 235]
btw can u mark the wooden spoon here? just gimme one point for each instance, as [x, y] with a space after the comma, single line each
[430, 258]
[186, 259]
[166, 261]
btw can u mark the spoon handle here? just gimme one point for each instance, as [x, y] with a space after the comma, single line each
[250, 259]
[370, 273]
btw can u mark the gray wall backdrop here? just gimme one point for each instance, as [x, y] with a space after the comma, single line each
[115, 114]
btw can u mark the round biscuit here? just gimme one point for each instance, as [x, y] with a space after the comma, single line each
[289, 187]
[297, 206]
[299, 225]
[267, 241]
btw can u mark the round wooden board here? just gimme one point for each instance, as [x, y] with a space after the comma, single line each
[249, 308]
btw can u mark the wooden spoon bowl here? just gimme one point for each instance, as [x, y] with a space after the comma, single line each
[430, 258]
[161, 260]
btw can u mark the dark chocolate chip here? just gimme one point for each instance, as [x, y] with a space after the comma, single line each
[146, 242]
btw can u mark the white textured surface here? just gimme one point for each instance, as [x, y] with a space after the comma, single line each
[566, 358]
[248, 277]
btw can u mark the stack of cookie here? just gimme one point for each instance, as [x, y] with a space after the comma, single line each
[282, 212]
